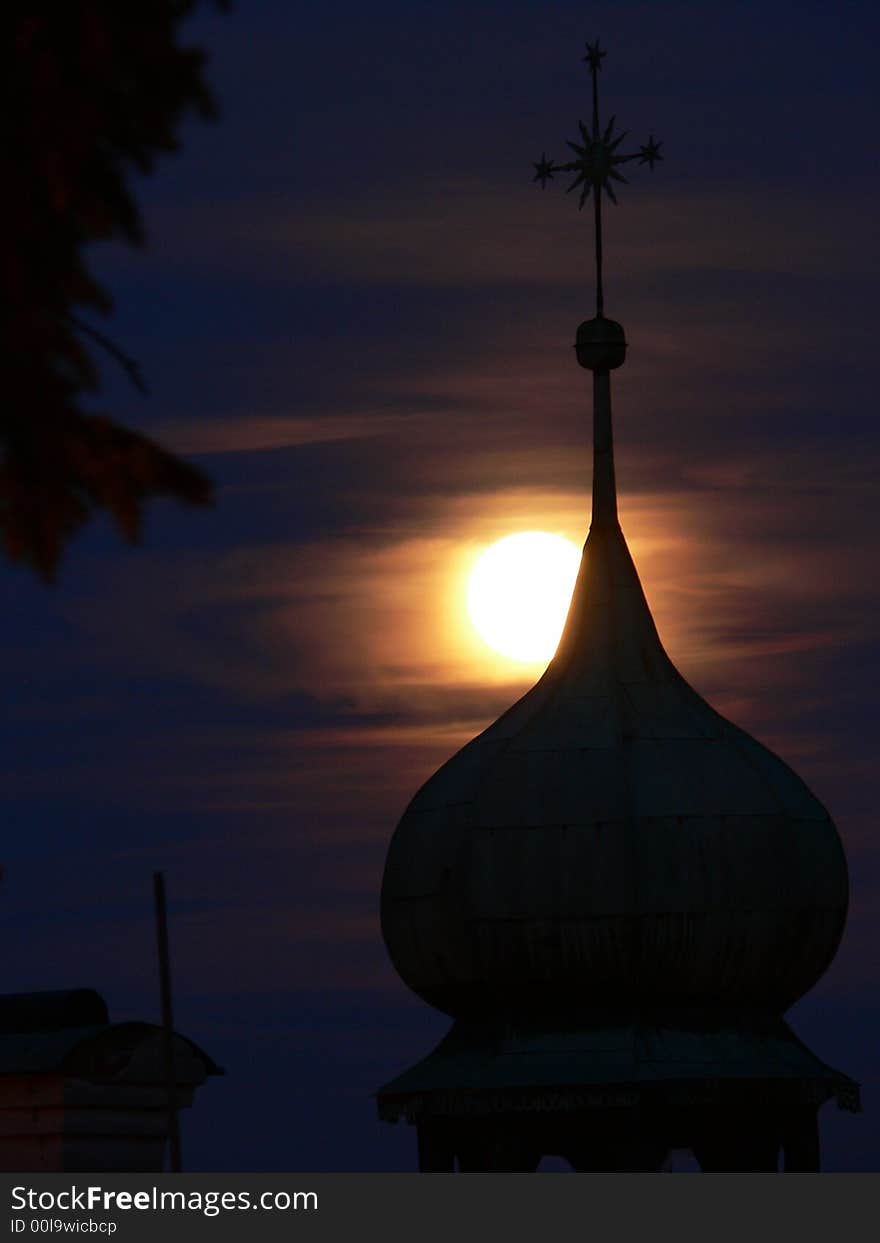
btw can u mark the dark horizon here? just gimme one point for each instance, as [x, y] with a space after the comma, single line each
[356, 313]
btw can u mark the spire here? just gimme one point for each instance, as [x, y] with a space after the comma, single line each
[600, 342]
[604, 487]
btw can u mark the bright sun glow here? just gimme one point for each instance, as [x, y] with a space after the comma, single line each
[519, 591]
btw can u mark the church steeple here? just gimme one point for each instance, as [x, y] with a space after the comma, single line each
[600, 344]
[614, 891]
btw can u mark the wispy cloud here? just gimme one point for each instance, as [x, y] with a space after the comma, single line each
[466, 232]
[262, 433]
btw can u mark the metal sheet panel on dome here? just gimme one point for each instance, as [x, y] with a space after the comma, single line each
[695, 777]
[540, 871]
[712, 862]
[576, 722]
[422, 854]
[534, 786]
[793, 795]
[455, 783]
[659, 709]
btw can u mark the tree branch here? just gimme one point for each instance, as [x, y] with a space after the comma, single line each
[131, 366]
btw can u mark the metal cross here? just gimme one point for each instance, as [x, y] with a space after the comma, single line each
[597, 162]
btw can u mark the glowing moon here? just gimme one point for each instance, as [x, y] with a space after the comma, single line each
[519, 591]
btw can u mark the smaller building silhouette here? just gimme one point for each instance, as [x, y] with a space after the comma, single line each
[79, 1093]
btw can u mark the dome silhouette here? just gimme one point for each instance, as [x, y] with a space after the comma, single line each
[612, 840]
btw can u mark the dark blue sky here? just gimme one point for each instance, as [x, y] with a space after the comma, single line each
[356, 312]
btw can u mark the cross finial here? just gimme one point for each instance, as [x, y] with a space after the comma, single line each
[595, 55]
[598, 160]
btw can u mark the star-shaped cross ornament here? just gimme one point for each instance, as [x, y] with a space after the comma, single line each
[598, 153]
[544, 171]
[650, 153]
[597, 164]
[595, 55]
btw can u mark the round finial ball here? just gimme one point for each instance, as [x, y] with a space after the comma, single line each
[600, 344]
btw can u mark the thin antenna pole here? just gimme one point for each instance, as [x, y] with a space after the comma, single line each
[167, 1020]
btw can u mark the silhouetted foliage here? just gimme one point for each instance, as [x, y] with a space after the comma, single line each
[97, 90]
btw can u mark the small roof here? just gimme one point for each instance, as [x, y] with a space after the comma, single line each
[481, 1067]
[69, 1032]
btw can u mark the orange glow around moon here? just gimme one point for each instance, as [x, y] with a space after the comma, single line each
[518, 594]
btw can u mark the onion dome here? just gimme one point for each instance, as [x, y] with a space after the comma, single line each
[612, 842]
[612, 839]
